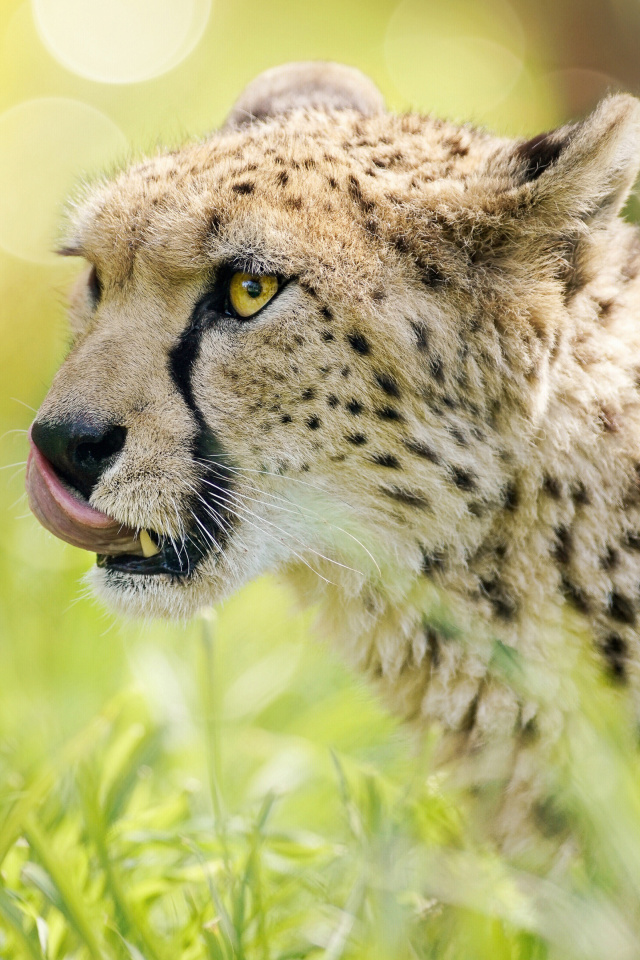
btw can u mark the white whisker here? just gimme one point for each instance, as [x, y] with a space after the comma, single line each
[27, 405]
[287, 533]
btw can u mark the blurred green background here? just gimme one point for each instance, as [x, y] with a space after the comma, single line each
[228, 789]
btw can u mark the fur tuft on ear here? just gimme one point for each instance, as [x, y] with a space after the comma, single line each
[585, 170]
[316, 85]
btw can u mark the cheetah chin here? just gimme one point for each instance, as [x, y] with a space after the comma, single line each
[392, 358]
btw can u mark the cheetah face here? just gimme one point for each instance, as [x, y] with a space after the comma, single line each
[290, 348]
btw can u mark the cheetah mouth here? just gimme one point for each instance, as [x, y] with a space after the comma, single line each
[177, 559]
[119, 548]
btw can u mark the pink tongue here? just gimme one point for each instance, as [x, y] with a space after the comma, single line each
[70, 517]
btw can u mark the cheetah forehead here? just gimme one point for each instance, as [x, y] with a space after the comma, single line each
[309, 168]
[310, 162]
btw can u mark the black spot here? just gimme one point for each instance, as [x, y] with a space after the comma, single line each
[562, 548]
[530, 732]
[539, 153]
[345, 371]
[431, 561]
[283, 178]
[421, 333]
[243, 188]
[354, 407]
[285, 418]
[308, 394]
[326, 313]
[357, 439]
[550, 819]
[333, 183]
[510, 497]
[433, 644]
[389, 413]
[579, 494]
[456, 147]
[468, 721]
[610, 559]
[408, 497]
[421, 449]
[388, 384]
[313, 423]
[551, 487]
[614, 649]
[293, 203]
[386, 460]
[359, 343]
[311, 291]
[463, 479]
[504, 605]
[327, 335]
[459, 437]
[574, 595]
[621, 608]
[436, 368]
[332, 400]
[430, 275]
[355, 192]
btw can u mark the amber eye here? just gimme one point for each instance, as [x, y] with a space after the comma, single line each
[249, 292]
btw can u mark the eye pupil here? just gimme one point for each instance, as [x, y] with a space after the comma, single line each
[253, 288]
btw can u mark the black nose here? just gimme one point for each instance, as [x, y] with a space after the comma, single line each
[80, 451]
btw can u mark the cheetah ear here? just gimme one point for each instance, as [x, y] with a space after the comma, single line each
[582, 171]
[316, 85]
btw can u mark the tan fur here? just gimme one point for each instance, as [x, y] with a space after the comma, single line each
[437, 419]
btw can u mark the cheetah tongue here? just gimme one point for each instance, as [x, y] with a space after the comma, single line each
[69, 516]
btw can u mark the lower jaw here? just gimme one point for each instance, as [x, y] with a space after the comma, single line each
[157, 565]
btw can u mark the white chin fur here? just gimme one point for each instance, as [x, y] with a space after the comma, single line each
[171, 598]
[137, 595]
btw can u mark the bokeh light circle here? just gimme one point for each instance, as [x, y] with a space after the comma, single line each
[46, 146]
[459, 59]
[120, 41]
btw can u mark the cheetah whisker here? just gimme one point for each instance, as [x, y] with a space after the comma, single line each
[226, 503]
[298, 507]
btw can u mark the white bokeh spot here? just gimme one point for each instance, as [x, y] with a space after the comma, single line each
[46, 146]
[120, 41]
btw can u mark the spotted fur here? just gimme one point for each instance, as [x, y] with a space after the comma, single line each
[440, 410]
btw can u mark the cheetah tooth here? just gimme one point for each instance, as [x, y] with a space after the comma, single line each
[149, 548]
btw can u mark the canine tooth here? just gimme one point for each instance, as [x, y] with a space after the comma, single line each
[149, 548]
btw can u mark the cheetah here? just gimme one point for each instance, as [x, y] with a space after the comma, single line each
[392, 358]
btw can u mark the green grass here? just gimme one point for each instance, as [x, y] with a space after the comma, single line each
[242, 796]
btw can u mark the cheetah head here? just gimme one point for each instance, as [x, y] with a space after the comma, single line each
[322, 338]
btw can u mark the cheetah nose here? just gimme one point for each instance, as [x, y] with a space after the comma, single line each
[79, 450]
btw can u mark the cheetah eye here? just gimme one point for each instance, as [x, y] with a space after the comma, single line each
[95, 287]
[250, 292]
